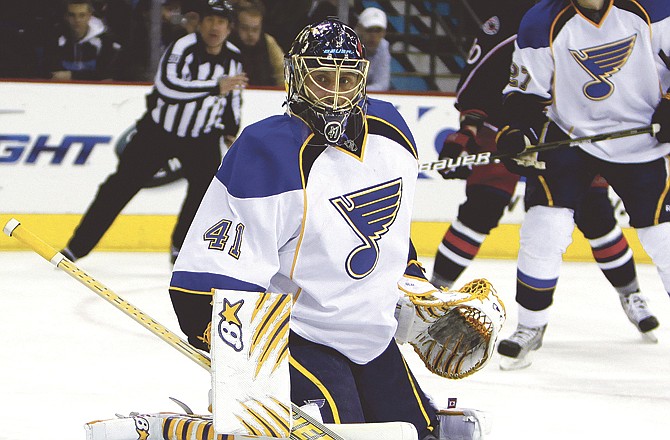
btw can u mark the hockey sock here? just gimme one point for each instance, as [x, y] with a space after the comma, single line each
[615, 258]
[458, 248]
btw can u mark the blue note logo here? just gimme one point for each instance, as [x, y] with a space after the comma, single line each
[601, 62]
[369, 212]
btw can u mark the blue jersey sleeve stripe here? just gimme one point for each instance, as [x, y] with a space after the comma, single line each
[200, 283]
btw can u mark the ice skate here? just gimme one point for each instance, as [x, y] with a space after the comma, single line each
[635, 306]
[515, 350]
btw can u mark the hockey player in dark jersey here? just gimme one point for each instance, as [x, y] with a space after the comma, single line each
[490, 188]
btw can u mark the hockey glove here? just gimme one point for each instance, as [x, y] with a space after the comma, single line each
[459, 143]
[662, 116]
[453, 332]
[514, 140]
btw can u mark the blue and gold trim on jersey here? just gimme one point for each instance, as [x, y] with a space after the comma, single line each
[384, 128]
[319, 385]
[370, 212]
[664, 202]
[415, 392]
[200, 283]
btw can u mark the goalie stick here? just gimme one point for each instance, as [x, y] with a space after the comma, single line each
[305, 427]
[488, 157]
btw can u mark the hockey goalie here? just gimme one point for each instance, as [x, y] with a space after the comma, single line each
[289, 271]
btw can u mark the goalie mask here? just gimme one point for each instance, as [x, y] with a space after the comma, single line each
[325, 72]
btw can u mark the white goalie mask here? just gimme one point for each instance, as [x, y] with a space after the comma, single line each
[326, 73]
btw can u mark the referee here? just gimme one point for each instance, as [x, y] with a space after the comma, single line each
[196, 99]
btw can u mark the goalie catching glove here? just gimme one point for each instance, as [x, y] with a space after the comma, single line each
[454, 332]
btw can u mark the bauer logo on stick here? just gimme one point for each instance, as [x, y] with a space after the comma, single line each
[230, 327]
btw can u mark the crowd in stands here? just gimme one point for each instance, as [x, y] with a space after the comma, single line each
[99, 40]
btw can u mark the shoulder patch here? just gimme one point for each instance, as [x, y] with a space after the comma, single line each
[491, 26]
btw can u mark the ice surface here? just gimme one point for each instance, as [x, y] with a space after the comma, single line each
[69, 357]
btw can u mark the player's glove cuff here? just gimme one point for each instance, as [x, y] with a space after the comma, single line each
[459, 143]
[513, 140]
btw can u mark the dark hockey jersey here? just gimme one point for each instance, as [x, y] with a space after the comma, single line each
[488, 65]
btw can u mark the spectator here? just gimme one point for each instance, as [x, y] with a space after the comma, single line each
[171, 22]
[85, 50]
[285, 19]
[262, 58]
[26, 28]
[196, 99]
[372, 29]
[322, 9]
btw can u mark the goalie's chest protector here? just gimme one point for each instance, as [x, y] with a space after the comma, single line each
[355, 240]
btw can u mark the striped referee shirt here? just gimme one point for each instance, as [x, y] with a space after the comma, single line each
[185, 99]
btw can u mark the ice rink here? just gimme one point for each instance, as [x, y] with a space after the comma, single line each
[69, 357]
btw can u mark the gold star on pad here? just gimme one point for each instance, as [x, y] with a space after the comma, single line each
[229, 312]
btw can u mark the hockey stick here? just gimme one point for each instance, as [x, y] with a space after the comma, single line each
[488, 157]
[305, 427]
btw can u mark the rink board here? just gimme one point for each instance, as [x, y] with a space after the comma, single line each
[58, 142]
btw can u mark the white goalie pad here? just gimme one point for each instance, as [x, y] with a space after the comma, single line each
[163, 426]
[169, 426]
[250, 370]
[454, 332]
[463, 424]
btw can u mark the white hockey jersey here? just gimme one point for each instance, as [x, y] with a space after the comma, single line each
[328, 225]
[599, 76]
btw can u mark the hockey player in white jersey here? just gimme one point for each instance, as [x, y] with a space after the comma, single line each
[489, 189]
[581, 68]
[317, 203]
